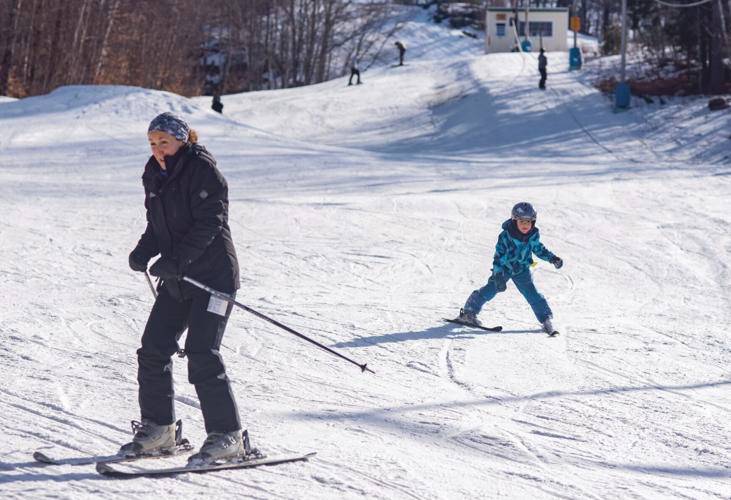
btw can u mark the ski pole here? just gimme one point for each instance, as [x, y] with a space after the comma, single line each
[363, 367]
[181, 352]
[149, 282]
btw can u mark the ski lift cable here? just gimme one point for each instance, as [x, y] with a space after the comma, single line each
[567, 108]
[683, 5]
[596, 141]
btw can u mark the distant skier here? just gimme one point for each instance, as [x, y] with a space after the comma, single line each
[217, 105]
[186, 199]
[354, 71]
[542, 63]
[514, 251]
[401, 51]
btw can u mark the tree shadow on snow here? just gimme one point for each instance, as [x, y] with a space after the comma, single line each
[448, 331]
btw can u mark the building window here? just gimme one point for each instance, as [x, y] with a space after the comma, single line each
[537, 28]
[500, 29]
[544, 28]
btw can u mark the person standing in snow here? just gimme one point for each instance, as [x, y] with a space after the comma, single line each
[217, 105]
[542, 64]
[517, 243]
[186, 199]
[354, 71]
[401, 51]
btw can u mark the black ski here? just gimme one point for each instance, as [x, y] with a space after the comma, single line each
[109, 471]
[472, 325]
[183, 448]
[554, 333]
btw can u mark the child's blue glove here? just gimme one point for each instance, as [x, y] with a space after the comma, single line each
[557, 262]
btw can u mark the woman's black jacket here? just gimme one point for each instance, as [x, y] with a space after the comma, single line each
[187, 220]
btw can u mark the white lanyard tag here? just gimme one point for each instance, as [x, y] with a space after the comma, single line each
[217, 306]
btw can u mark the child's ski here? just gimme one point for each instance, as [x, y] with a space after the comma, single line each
[473, 325]
[107, 470]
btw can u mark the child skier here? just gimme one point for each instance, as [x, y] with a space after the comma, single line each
[514, 251]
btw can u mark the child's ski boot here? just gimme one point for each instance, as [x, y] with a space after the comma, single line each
[548, 328]
[468, 317]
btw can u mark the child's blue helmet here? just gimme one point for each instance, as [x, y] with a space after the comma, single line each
[524, 211]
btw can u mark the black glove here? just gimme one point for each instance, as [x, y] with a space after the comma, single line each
[137, 262]
[166, 269]
[557, 262]
[501, 281]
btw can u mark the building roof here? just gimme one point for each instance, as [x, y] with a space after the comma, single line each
[532, 9]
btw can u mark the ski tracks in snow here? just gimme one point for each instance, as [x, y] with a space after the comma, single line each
[367, 251]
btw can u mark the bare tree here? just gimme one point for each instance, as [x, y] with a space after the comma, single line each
[717, 44]
[9, 11]
[162, 43]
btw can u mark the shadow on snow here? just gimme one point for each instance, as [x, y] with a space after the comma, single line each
[437, 332]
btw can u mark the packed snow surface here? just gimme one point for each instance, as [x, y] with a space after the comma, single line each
[363, 215]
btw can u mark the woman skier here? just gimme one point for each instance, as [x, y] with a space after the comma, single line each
[186, 199]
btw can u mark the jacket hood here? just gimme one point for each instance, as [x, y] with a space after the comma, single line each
[512, 228]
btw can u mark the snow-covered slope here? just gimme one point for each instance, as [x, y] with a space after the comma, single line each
[363, 215]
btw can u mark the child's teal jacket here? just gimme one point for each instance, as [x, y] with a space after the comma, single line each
[514, 250]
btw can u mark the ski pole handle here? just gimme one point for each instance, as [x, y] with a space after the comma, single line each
[363, 367]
